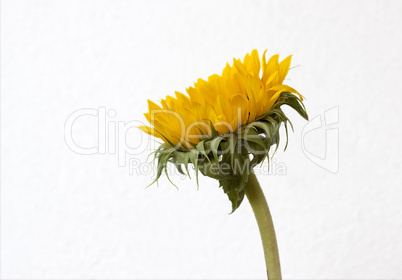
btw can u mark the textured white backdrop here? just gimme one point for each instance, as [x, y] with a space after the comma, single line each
[71, 216]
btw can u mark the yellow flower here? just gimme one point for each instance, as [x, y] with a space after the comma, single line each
[226, 125]
[242, 94]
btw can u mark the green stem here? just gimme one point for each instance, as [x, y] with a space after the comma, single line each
[264, 220]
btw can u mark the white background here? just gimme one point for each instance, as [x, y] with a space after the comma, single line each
[71, 216]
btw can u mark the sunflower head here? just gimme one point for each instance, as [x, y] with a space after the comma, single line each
[226, 125]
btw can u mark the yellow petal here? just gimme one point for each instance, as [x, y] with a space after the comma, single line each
[248, 63]
[258, 105]
[152, 106]
[271, 101]
[287, 89]
[184, 100]
[205, 90]
[148, 117]
[255, 62]
[284, 68]
[195, 95]
[239, 106]
[148, 130]
[253, 86]
[240, 67]
[152, 132]
[270, 79]
[222, 106]
[171, 102]
[164, 104]
[264, 62]
[272, 67]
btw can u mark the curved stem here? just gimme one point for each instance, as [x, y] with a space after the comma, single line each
[264, 220]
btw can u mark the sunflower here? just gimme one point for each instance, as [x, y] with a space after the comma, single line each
[241, 95]
[224, 127]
